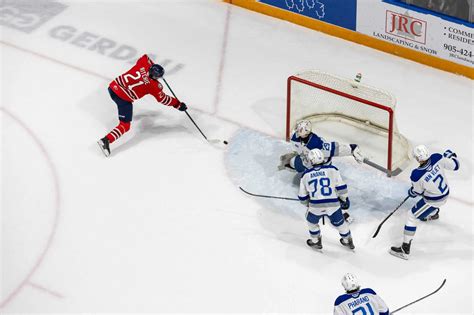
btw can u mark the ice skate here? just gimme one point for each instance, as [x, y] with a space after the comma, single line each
[431, 217]
[104, 146]
[347, 242]
[318, 245]
[402, 252]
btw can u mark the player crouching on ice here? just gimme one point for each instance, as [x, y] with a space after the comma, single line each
[357, 300]
[305, 140]
[322, 190]
[140, 80]
[430, 183]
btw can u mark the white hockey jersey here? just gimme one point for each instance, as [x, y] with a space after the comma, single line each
[429, 180]
[322, 186]
[363, 302]
[314, 141]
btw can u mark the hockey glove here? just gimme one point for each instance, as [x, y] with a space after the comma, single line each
[345, 204]
[285, 160]
[182, 107]
[412, 193]
[449, 154]
[356, 153]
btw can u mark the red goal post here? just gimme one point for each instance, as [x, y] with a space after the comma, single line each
[359, 113]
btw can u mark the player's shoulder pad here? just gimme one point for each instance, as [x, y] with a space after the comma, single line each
[342, 298]
[367, 291]
[435, 157]
[416, 174]
[308, 170]
[294, 137]
[147, 58]
[315, 142]
[330, 166]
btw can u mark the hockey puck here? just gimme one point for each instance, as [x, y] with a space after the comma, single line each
[225, 142]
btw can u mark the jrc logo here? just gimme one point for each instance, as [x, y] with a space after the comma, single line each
[405, 26]
[27, 15]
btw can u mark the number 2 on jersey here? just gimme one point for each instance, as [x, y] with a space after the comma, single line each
[129, 76]
[325, 184]
[442, 188]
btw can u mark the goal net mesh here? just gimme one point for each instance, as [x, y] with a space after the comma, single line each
[350, 112]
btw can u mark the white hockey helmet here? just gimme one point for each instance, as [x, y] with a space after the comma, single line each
[303, 128]
[315, 156]
[350, 282]
[421, 153]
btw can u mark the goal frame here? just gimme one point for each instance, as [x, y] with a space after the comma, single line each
[388, 170]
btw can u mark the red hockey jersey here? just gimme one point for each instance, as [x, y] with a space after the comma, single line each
[135, 83]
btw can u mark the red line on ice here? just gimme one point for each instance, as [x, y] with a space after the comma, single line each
[220, 73]
[41, 288]
[57, 203]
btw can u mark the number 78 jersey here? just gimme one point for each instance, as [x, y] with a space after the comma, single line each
[322, 186]
[135, 83]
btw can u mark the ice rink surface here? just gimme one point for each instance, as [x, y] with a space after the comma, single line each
[161, 225]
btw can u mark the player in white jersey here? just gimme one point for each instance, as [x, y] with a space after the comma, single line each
[304, 140]
[430, 183]
[322, 190]
[358, 301]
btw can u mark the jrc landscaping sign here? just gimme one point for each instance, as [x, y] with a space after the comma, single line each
[422, 32]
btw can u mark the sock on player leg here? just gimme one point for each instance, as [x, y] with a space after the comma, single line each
[118, 131]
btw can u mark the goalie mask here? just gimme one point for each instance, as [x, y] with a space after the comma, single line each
[421, 153]
[315, 156]
[350, 282]
[303, 128]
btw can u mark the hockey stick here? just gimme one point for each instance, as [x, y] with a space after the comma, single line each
[273, 197]
[192, 120]
[422, 298]
[267, 196]
[380, 225]
[382, 169]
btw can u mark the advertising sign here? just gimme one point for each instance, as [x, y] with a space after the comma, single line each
[337, 12]
[422, 32]
[26, 16]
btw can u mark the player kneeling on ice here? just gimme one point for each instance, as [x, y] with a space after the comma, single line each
[140, 80]
[430, 183]
[304, 140]
[357, 300]
[322, 190]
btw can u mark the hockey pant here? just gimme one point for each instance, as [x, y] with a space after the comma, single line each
[420, 210]
[336, 218]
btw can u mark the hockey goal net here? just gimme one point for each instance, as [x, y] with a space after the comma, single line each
[350, 112]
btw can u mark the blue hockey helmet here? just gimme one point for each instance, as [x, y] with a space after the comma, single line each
[156, 71]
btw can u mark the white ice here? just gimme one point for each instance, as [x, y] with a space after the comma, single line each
[161, 225]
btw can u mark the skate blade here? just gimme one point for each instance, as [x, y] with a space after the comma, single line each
[316, 248]
[106, 153]
[399, 255]
[347, 246]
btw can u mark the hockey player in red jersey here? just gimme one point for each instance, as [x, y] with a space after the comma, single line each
[140, 80]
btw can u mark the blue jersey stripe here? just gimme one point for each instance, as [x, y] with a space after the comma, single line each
[324, 201]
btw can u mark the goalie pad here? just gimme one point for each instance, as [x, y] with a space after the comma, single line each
[285, 160]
